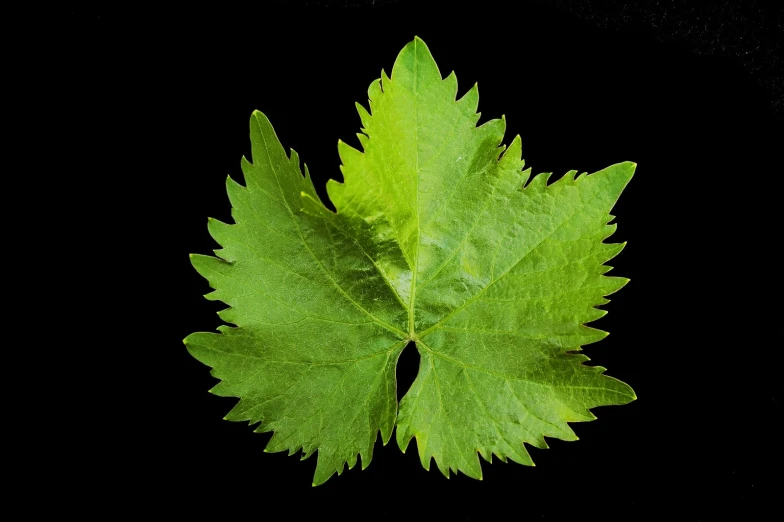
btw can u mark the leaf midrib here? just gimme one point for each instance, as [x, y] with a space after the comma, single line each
[412, 293]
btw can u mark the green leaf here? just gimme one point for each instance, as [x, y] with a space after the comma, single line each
[439, 238]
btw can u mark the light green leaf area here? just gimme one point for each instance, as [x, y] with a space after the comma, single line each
[441, 238]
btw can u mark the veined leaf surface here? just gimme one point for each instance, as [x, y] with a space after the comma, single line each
[440, 238]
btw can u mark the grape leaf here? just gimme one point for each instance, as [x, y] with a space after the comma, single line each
[439, 238]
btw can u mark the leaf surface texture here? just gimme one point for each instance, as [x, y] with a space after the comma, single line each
[441, 238]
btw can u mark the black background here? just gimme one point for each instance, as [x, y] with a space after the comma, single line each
[697, 333]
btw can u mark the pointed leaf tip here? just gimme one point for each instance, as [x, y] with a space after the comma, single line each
[414, 67]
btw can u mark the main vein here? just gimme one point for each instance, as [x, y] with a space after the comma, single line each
[411, 332]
